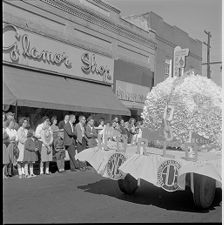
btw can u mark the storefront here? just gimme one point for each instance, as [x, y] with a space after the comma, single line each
[43, 73]
[132, 84]
[66, 56]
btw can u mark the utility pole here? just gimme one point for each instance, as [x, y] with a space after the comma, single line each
[208, 53]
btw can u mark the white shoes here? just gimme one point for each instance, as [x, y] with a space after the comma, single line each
[32, 175]
[29, 176]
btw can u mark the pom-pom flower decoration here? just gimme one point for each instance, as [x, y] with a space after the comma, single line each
[197, 108]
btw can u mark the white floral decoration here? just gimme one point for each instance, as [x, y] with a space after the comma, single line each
[197, 101]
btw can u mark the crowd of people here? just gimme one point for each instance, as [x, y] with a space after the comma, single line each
[23, 146]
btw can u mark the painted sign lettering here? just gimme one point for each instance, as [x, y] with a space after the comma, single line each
[32, 52]
[132, 97]
[130, 92]
[90, 66]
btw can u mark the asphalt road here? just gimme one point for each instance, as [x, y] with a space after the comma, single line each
[86, 197]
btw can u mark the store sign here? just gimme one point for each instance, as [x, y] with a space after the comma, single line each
[132, 94]
[90, 66]
[179, 60]
[36, 51]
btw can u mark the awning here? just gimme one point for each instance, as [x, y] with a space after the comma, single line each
[134, 107]
[8, 97]
[37, 89]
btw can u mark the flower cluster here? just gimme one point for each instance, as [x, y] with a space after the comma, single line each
[197, 108]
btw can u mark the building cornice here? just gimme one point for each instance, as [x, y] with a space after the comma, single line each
[51, 34]
[92, 17]
[105, 5]
[59, 36]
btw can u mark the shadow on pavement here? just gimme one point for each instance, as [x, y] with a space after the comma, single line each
[149, 194]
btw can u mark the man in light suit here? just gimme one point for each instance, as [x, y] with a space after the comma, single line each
[81, 138]
[70, 142]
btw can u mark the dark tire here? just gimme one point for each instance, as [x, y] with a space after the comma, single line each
[218, 197]
[204, 191]
[128, 185]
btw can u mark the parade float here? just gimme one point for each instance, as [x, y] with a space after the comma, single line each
[181, 142]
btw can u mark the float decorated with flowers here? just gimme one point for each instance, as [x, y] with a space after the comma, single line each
[182, 135]
[181, 142]
[192, 104]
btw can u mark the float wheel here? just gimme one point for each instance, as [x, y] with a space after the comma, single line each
[128, 185]
[204, 191]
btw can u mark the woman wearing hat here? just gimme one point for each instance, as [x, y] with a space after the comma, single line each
[30, 153]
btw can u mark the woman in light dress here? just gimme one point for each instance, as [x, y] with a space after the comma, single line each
[12, 147]
[54, 126]
[108, 136]
[138, 133]
[4, 148]
[22, 136]
[101, 125]
[45, 135]
[132, 129]
[47, 153]
[11, 131]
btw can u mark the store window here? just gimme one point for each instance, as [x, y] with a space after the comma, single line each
[168, 67]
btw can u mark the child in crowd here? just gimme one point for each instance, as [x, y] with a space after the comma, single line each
[60, 150]
[101, 124]
[126, 126]
[132, 129]
[30, 153]
[138, 133]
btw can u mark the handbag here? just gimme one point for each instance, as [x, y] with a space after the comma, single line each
[48, 149]
[38, 144]
[15, 150]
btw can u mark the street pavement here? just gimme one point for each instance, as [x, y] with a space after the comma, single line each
[86, 197]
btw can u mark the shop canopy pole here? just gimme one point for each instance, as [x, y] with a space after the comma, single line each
[16, 111]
